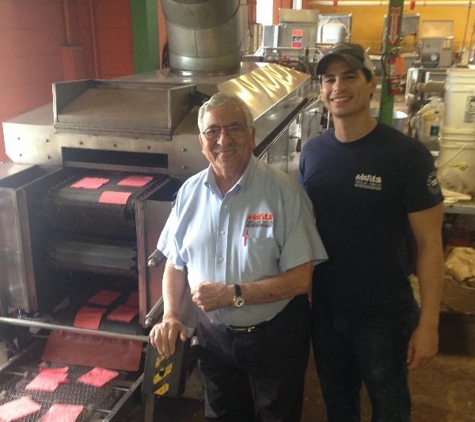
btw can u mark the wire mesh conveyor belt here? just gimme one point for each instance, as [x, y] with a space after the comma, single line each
[100, 403]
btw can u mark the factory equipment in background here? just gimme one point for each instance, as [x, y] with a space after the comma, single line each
[471, 48]
[90, 186]
[424, 44]
[409, 39]
[437, 39]
[334, 28]
[300, 38]
[424, 85]
[409, 32]
[424, 90]
[292, 42]
[296, 29]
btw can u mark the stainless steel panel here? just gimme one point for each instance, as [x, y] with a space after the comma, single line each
[288, 35]
[270, 36]
[151, 215]
[267, 88]
[17, 281]
[120, 108]
[13, 274]
[282, 154]
[298, 15]
[338, 18]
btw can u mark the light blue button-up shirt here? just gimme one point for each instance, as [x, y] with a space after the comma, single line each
[262, 227]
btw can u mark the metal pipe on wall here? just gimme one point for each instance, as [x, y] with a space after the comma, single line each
[93, 39]
[67, 23]
[390, 81]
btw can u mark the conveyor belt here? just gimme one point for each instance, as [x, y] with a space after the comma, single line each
[89, 208]
[118, 353]
[98, 402]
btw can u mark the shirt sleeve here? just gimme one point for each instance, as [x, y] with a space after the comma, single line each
[166, 242]
[422, 189]
[302, 242]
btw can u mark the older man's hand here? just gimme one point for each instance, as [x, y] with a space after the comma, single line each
[210, 295]
[164, 335]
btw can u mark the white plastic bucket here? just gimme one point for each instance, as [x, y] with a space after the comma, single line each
[460, 98]
[453, 153]
[455, 134]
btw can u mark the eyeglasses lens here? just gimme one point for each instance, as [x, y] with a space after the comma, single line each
[234, 132]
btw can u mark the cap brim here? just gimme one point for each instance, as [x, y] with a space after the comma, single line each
[352, 61]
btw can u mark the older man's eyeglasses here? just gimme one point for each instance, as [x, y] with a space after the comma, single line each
[233, 131]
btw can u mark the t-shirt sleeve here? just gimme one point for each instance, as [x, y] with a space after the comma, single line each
[421, 185]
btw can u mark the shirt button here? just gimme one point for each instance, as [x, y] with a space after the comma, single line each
[220, 259]
[223, 232]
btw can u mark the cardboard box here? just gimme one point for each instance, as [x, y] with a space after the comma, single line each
[458, 297]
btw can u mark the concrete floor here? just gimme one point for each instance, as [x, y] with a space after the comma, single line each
[444, 391]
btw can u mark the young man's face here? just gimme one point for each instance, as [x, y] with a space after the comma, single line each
[344, 91]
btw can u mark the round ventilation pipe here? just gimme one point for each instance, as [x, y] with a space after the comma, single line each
[203, 36]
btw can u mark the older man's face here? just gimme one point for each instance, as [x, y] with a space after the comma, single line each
[228, 143]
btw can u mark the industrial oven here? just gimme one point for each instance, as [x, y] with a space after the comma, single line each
[90, 186]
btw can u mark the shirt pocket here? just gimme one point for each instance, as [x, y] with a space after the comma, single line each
[260, 258]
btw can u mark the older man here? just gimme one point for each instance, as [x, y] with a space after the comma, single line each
[246, 235]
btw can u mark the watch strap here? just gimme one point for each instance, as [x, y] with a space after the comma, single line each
[238, 300]
[237, 290]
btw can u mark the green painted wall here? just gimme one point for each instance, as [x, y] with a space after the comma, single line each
[144, 15]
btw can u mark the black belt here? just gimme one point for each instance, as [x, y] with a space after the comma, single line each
[257, 327]
[250, 329]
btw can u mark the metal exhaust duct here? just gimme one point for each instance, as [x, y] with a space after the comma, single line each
[203, 36]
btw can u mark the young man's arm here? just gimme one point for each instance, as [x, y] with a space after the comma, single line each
[427, 229]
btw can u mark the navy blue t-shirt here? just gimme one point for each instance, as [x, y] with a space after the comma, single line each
[362, 192]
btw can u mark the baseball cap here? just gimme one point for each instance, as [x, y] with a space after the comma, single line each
[353, 54]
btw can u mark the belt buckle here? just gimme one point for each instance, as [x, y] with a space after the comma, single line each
[235, 329]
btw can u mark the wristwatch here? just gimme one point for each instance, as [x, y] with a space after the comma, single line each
[238, 300]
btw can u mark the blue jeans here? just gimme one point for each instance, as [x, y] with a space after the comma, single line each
[350, 352]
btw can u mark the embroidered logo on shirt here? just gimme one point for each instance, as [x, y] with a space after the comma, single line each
[259, 220]
[368, 181]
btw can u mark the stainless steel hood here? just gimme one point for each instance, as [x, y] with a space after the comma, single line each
[120, 108]
[148, 122]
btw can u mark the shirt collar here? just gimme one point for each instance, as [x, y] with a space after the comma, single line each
[242, 183]
[246, 177]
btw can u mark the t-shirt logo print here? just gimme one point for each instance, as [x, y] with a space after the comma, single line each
[368, 181]
[433, 183]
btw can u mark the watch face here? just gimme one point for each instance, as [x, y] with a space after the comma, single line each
[238, 302]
